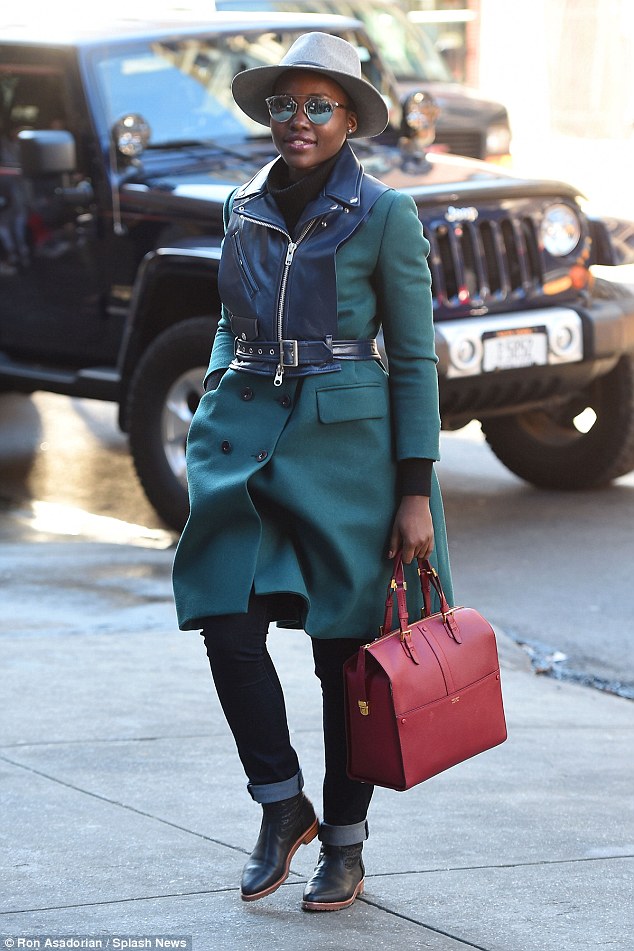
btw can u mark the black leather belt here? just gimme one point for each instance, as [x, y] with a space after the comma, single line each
[294, 353]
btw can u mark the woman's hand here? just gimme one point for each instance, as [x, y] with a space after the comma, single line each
[413, 530]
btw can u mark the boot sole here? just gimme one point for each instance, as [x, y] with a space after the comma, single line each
[304, 839]
[333, 905]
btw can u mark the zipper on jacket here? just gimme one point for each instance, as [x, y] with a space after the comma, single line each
[290, 252]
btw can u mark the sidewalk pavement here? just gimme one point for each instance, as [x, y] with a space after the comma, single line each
[124, 809]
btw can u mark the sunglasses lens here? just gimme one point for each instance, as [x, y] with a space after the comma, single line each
[281, 108]
[319, 111]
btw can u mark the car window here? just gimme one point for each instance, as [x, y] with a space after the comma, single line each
[404, 45]
[30, 98]
[182, 88]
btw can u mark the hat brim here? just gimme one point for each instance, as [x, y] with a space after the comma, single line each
[251, 88]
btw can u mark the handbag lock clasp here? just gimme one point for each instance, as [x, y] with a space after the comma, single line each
[364, 707]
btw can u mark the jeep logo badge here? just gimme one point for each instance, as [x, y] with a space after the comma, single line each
[461, 214]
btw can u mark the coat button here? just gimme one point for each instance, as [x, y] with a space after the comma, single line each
[247, 394]
[261, 456]
[226, 446]
[285, 401]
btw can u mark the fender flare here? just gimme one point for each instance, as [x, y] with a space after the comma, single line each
[162, 265]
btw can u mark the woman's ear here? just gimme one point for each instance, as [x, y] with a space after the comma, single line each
[352, 124]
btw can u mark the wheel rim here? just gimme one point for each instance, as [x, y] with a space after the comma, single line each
[181, 401]
[559, 428]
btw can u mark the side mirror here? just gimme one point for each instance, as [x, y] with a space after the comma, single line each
[420, 114]
[49, 155]
[45, 152]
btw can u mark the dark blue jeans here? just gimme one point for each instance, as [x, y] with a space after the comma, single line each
[253, 703]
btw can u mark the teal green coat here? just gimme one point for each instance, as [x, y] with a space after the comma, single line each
[293, 488]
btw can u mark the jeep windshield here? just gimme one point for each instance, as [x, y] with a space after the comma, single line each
[404, 45]
[182, 87]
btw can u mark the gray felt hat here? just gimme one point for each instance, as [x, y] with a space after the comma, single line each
[320, 53]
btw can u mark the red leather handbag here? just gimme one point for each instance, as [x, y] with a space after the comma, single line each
[423, 696]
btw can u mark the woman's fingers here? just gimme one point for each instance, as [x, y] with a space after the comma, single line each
[417, 548]
[411, 548]
[413, 531]
[424, 551]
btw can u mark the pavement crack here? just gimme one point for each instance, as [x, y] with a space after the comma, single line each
[481, 868]
[123, 805]
[166, 737]
[415, 921]
[119, 901]
[106, 739]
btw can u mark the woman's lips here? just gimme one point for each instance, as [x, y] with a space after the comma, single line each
[297, 144]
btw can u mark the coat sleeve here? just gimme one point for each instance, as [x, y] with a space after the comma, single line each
[222, 352]
[403, 287]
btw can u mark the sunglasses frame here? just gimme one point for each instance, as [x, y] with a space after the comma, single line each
[307, 99]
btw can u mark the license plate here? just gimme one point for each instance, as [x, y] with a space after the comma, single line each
[509, 349]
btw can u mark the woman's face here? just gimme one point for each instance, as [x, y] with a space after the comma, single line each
[302, 144]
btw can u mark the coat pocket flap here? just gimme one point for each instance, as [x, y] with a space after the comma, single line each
[341, 404]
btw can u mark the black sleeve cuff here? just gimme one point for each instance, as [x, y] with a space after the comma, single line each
[213, 380]
[414, 476]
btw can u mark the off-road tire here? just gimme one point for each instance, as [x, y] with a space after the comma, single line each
[164, 393]
[546, 449]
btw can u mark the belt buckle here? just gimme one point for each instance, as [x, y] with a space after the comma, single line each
[294, 350]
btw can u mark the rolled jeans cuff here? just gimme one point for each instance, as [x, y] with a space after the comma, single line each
[343, 835]
[275, 792]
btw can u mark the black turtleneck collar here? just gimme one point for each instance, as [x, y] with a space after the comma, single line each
[292, 197]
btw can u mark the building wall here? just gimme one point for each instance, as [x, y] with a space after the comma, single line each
[562, 66]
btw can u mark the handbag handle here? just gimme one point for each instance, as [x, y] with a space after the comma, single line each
[428, 578]
[398, 586]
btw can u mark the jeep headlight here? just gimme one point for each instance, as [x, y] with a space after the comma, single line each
[560, 230]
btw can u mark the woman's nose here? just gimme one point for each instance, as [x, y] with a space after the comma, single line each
[300, 119]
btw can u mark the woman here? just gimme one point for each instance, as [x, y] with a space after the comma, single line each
[307, 466]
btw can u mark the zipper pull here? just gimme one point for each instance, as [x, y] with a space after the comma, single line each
[289, 254]
[279, 375]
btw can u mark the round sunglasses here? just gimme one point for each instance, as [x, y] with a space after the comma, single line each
[318, 109]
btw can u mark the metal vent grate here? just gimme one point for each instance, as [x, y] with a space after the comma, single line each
[461, 143]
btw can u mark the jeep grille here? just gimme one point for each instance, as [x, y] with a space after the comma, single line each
[483, 262]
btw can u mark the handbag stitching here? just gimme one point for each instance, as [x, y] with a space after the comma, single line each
[439, 654]
[464, 690]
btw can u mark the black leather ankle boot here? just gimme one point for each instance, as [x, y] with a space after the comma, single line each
[285, 826]
[337, 880]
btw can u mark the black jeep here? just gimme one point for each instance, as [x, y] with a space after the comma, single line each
[118, 149]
